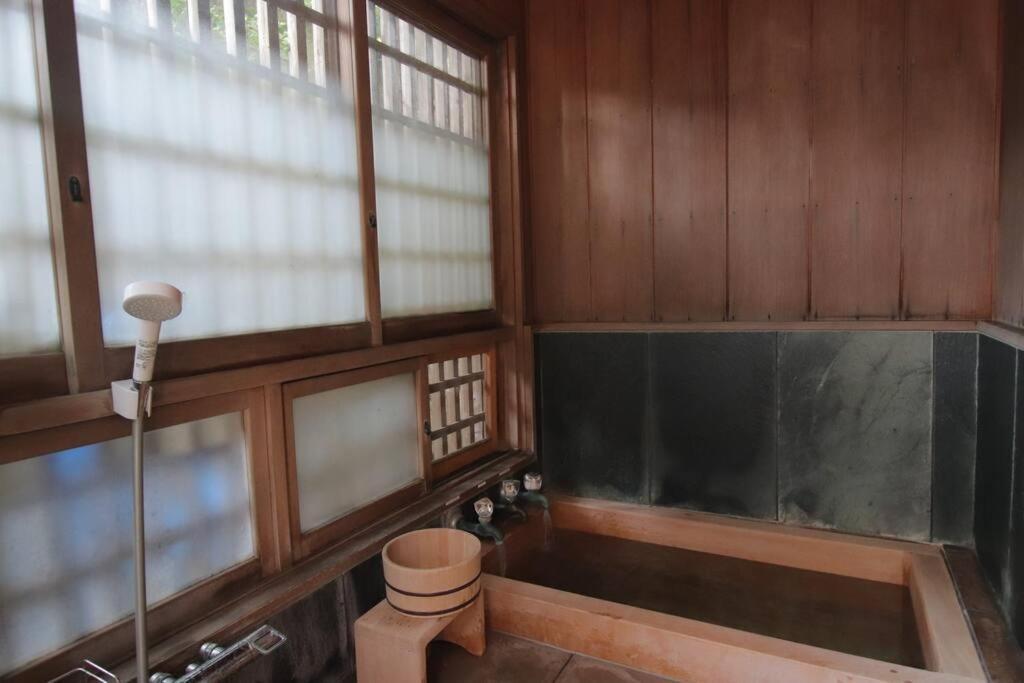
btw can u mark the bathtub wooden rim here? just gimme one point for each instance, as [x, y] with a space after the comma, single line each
[561, 618]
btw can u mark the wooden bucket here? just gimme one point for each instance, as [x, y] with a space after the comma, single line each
[432, 572]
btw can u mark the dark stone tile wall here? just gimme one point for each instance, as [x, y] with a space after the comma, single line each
[316, 649]
[855, 431]
[994, 469]
[1013, 591]
[320, 629]
[594, 414]
[838, 429]
[954, 436]
[713, 417]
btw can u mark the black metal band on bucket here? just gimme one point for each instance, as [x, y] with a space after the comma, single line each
[439, 594]
[439, 613]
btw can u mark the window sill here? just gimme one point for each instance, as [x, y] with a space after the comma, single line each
[231, 621]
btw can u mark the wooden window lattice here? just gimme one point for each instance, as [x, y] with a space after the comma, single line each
[457, 404]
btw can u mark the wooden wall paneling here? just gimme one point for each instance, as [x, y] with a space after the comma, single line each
[688, 81]
[769, 156]
[619, 150]
[950, 158]
[495, 18]
[556, 85]
[1009, 294]
[856, 152]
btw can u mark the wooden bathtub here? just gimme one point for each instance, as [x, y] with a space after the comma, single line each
[891, 578]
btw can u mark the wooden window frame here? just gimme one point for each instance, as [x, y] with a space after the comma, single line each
[454, 462]
[432, 19]
[85, 363]
[112, 641]
[305, 543]
[64, 397]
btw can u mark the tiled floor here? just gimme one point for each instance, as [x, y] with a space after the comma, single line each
[513, 660]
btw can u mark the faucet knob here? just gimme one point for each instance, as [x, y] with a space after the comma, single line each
[510, 490]
[533, 481]
[210, 650]
[484, 509]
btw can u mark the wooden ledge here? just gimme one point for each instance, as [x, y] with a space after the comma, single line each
[676, 647]
[228, 623]
[832, 552]
[1003, 333]
[19, 418]
[769, 326]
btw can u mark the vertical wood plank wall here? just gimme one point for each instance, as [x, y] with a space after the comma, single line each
[707, 160]
[1009, 301]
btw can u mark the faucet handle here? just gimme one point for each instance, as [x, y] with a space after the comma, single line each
[510, 490]
[484, 509]
[533, 481]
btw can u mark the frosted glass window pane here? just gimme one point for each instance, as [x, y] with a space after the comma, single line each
[213, 169]
[432, 171]
[66, 530]
[28, 299]
[354, 445]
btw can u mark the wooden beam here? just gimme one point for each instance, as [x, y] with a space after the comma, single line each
[354, 44]
[423, 326]
[43, 414]
[768, 326]
[32, 377]
[196, 356]
[1013, 336]
[70, 211]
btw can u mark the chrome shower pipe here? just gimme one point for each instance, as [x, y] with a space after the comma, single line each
[139, 518]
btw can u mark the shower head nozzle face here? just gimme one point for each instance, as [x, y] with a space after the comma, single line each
[152, 301]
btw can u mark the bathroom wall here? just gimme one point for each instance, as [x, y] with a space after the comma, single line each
[999, 501]
[696, 160]
[1009, 286]
[870, 432]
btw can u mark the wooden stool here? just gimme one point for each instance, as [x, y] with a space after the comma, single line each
[392, 647]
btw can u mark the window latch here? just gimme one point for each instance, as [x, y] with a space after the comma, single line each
[426, 427]
[75, 189]
[372, 219]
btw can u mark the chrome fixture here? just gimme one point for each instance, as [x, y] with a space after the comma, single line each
[532, 482]
[484, 509]
[217, 662]
[510, 490]
[483, 529]
[89, 671]
[507, 500]
[151, 303]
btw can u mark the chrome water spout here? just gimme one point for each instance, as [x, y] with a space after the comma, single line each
[507, 502]
[532, 482]
[483, 529]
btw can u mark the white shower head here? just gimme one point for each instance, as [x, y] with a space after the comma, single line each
[152, 303]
